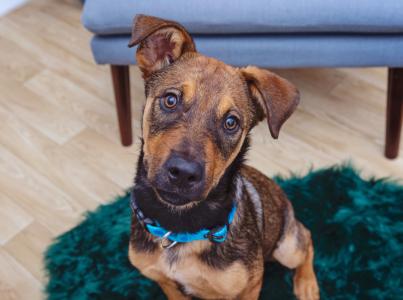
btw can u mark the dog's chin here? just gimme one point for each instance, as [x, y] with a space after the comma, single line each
[175, 199]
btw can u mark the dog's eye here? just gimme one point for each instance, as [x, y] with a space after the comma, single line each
[169, 101]
[231, 123]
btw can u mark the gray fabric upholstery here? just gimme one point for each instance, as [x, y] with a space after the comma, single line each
[269, 33]
[104, 17]
[275, 50]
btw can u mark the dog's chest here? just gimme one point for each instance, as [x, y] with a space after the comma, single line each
[194, 276]
[201, 280]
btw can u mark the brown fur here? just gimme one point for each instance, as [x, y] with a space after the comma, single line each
[264, 227]
[226, 90]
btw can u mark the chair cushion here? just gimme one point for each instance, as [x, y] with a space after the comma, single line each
[275, 50]
[255, 16]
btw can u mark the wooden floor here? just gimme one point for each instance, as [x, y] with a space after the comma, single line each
[59, 147]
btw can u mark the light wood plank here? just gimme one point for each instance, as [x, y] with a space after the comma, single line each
[49, 119]
[35, 193]
[71, 98]
[13, 219]
[28, 247]
[54, 162]
[15, 281]
[111, 159]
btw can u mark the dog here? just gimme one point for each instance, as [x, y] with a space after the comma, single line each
[204, 223]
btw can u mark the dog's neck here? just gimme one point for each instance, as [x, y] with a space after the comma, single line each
[207, 214]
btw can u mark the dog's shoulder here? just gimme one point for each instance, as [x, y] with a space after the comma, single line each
[263, 184]
[270, 204]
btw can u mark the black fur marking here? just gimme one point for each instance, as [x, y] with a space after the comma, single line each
[209, 213]
[242, 242]
[140, 238]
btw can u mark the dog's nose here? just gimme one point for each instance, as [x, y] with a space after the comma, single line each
[184, 173]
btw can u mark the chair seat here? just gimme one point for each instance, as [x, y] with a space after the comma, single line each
[111, 17]
[276, 50]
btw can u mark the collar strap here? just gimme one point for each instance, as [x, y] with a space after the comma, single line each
[217, 235]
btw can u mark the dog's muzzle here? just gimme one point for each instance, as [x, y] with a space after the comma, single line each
[181, 180]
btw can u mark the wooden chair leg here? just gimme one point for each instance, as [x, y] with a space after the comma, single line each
[121, 86]
[394, 112]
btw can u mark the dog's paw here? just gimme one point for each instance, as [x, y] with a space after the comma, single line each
[306, 287]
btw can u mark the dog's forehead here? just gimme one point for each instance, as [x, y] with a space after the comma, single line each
[201, 76]
[210, 73]
[209, 83]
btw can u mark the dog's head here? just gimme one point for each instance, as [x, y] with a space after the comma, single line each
[198, 110]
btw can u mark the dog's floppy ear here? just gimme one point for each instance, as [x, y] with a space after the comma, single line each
[275, 97]
[161, 42]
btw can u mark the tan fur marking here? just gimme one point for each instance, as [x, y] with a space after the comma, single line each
[203, 281]
[198, 278]
[189, 90]
[305, 283]
[163, 144]
[146, 116]
[295, 251]
[252, 291]
[288, 253]
[291, 248]
[216, 164]
[145, 263]
[225, 105]
[171, 291]
[220, 171]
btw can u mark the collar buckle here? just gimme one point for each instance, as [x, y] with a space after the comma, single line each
[165, 243]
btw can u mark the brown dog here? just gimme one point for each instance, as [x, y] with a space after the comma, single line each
[191, 177]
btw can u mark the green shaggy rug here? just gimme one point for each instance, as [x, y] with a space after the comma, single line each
[356, 224]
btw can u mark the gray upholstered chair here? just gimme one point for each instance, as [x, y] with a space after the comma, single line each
[268, 33]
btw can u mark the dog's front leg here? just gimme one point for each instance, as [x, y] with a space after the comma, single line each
[147, 263]
[252, 291]
[295, 251]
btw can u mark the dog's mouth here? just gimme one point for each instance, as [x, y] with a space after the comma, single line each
[175, 199]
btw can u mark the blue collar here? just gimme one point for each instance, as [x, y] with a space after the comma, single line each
[168, 239]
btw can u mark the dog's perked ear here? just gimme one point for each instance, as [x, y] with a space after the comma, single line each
[161, 42]
[275, 97]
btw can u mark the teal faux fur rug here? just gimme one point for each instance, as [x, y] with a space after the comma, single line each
[356, 224]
